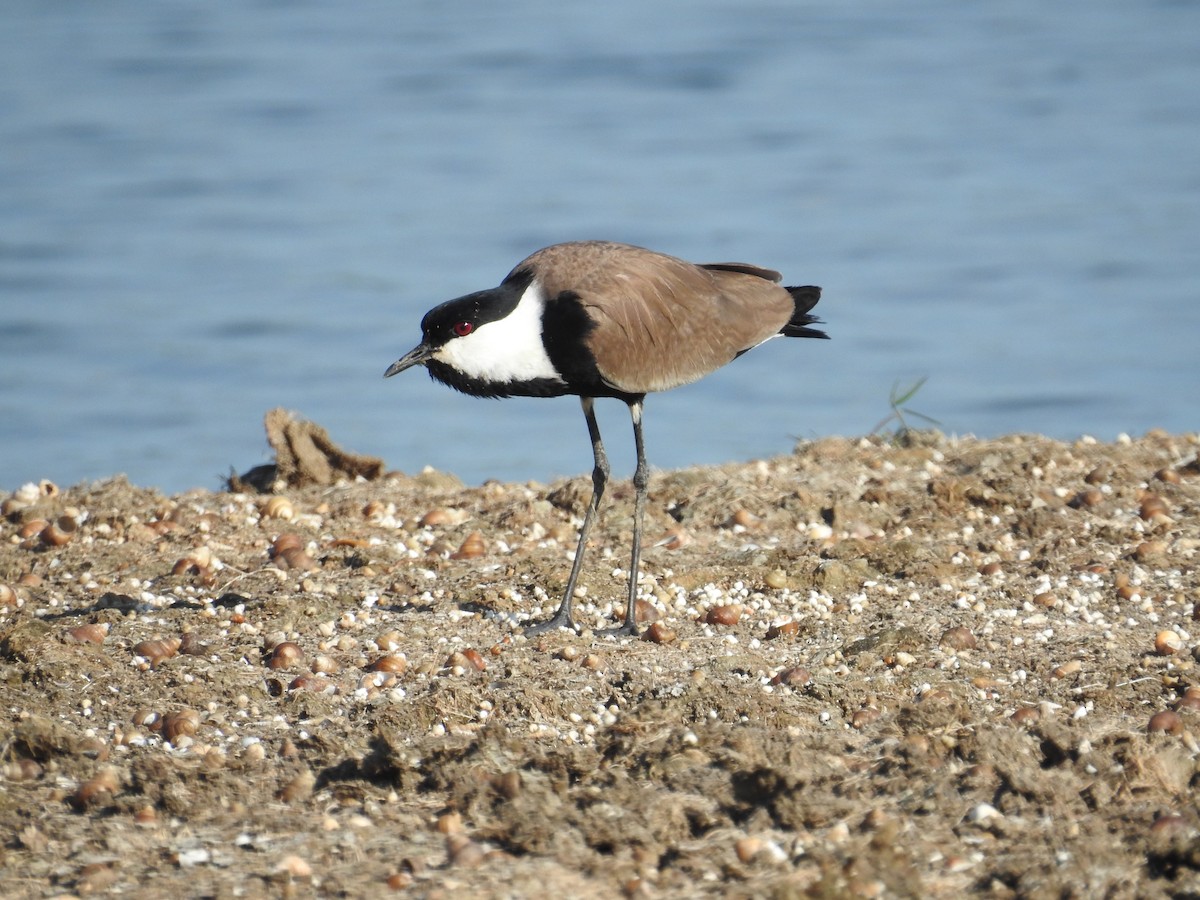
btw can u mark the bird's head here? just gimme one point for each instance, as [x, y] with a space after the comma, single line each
[487, 342]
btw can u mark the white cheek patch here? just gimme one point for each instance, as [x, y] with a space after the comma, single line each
[507, 350]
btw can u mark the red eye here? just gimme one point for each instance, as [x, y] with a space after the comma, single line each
[462, 329]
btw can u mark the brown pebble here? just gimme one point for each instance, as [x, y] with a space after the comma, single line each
[1045, 599]
[992, 568]
[726, 614]
[658, 633]
[1167, 722]
[8, 595]
[1098, 475]
[1168, 475]
[958, 638]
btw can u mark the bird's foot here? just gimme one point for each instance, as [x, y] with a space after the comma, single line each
[625, 629]
[560, 620]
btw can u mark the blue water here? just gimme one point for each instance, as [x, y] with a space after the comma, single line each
[208, 210]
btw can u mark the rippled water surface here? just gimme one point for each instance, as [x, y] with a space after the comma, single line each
[209, 210]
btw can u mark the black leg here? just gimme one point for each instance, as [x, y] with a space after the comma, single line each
[562, 618]
[641, 477]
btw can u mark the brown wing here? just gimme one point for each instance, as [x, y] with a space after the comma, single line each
[660, 321]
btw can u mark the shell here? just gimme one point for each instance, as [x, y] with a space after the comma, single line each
[158, 649]
[32, 528]
[391, 662]
[325, 665]
[277, 508]
[470, 548]
[313, 682]
[60, 532]
[795, 676]
[182, 723]
[100, 786]
[658, 633]
[296, 559]
[783, 629]
[287, 540]
[92, 633]
[441, 516]
[285, 655]
[958, 638]
[726, 614]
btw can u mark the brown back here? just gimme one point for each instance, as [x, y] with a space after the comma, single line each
[660, 321]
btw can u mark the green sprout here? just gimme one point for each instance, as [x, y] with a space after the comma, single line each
[897, 400]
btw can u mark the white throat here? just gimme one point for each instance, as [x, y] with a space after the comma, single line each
[507, 350]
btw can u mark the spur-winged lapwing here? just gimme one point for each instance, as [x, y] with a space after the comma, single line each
[601, 319]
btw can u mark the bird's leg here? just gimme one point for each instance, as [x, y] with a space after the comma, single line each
[641, 478]
[562, 618]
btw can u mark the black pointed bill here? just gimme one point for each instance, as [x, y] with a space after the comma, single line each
[414, 357]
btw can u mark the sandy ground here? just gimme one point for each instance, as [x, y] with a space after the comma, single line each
[924, 668]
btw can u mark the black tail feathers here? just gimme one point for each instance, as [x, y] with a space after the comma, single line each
[806, 298]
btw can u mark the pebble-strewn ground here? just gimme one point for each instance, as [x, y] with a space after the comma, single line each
[929, 669]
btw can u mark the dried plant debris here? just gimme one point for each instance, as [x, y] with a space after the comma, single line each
[304, 455]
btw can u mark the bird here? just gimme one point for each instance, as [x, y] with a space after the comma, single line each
[602, 319]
